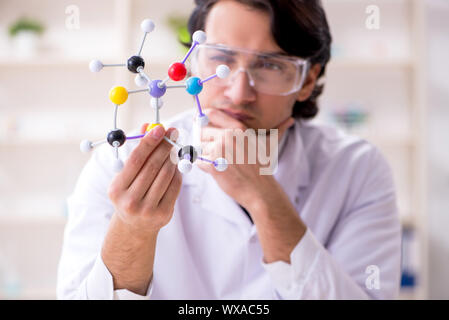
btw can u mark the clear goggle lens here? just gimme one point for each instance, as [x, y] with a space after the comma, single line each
[268, 73]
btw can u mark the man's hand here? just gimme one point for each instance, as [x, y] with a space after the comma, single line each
[144, 195]
[242, 181]
[145, 191]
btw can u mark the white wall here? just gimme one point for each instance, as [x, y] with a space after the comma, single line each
[438, 148]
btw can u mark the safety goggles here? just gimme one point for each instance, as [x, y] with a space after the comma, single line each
[272, 74]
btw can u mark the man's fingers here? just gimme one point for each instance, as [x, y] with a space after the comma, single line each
[150, 169]
[169, 197]
[220, 119]
[138, 157]
[160, 183]
[143, 128]
[206, 167]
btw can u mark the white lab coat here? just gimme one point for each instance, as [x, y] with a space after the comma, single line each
[340, 185]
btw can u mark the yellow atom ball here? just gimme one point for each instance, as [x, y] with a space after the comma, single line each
[151, 126]
[118, 95]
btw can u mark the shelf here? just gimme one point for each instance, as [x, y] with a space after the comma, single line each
[52, 60]
[14, 142]
[34, 294]
[373, 135]
[20, 220]
[61, 61]
[387, 142]
[42, 62]
[36, 143]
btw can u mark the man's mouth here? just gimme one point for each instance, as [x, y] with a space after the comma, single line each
[240, 116]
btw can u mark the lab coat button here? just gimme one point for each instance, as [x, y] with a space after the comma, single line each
[196, 199]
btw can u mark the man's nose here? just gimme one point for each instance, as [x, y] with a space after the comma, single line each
[240, 89]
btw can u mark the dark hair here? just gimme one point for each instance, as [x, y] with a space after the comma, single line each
[299, 27]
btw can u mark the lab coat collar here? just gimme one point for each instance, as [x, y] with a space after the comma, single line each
[293, 173]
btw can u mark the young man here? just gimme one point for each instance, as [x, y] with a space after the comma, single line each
[324, 226]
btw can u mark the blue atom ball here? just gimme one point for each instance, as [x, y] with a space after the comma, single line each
[193, 86]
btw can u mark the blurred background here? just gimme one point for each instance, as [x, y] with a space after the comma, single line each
[387, 82]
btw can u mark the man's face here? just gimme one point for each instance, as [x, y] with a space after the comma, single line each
[233, 24]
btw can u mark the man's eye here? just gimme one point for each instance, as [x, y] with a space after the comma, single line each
[221, 58]
[268, 65]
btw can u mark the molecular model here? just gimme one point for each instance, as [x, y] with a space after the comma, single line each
[157, 88]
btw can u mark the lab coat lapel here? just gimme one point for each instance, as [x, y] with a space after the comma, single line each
[293, 172]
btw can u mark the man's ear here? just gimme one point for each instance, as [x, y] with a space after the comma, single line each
[309, 83]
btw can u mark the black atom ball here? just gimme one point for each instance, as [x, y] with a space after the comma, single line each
[188, 150]
[116, 135]
[135, 62]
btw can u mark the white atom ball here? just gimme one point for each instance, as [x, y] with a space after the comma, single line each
[184, 166]
[85, 146]
[222, 71]
[117, 165]
[147, 25]
[95, 66]
[203, 120]
[156, 103]
[221, 164]
[199, 36]
[140, 81]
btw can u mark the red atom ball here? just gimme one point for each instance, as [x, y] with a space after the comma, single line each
[177, 71]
